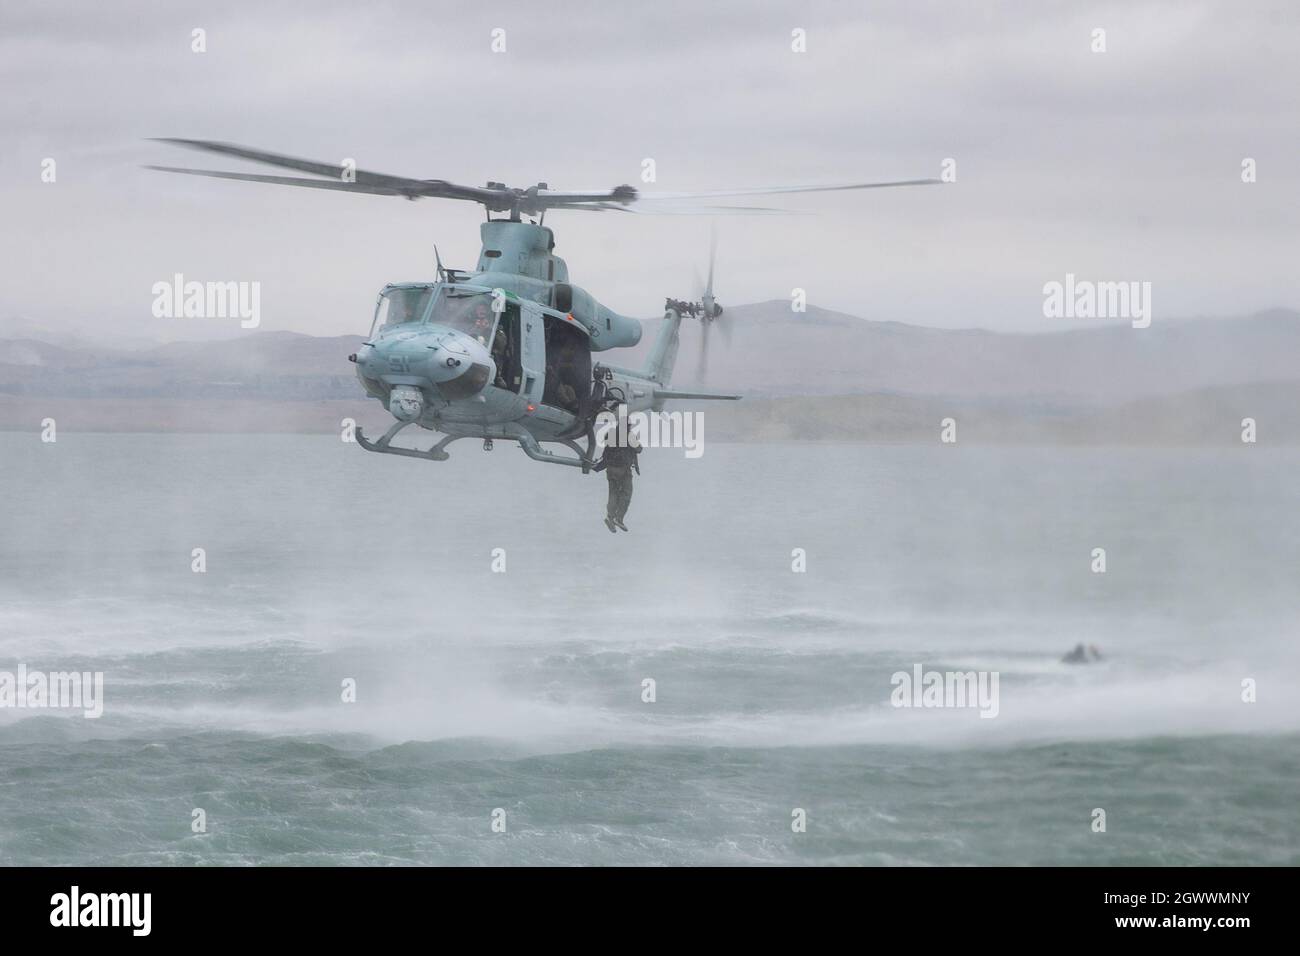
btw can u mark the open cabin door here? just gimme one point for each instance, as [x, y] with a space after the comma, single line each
[532, 335]
[568, 366]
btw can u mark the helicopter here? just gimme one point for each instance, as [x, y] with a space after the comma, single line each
[508, 350]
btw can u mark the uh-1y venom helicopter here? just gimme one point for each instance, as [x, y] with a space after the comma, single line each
[505, 351]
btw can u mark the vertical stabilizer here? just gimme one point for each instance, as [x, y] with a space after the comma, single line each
[664, 354]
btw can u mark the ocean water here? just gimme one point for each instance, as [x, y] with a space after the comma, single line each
[522, 691]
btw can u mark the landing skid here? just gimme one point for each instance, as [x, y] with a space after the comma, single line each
[534, 451]
[525, 439]
[384, 446]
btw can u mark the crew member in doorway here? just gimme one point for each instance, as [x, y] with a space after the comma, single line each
[618, 462]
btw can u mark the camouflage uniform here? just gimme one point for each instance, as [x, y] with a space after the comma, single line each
[618, 463]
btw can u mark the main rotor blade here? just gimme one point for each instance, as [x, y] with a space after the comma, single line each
[621, 195]
[496, 197]
[284, 180]
[697, 211]
[589, 206]
[396, 185]
[775, 190]
[666, 210]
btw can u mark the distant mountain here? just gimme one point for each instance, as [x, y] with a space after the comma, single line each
[1208, 416]
[78, 334]
[776, 352]
[271, 366]
[772, 352]
[1175, 381]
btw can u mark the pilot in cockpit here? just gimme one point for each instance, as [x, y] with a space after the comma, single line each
[482, 326]
[403, 313]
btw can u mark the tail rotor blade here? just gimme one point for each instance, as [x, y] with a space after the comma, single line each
[723, 322]
[713, 255]
[704, 351]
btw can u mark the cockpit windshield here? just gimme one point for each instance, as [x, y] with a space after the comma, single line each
[460, 309]
[400, 306]
[469, 312]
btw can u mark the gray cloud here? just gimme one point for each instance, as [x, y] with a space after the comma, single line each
[1121, 165]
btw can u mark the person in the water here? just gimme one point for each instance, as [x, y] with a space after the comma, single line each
[1082, 655]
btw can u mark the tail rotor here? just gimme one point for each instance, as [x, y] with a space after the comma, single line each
[708, 310]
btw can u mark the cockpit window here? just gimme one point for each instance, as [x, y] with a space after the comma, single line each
[400, 306]
[471, 313]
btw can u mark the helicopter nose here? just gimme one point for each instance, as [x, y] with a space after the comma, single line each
[448, 363]
[447, 359]
[458, 364]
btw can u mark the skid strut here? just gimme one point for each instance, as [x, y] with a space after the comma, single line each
[385, 447]
[527, 442]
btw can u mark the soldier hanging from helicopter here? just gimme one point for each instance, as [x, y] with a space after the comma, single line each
[619, 460]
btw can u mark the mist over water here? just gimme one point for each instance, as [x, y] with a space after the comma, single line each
[522, 690]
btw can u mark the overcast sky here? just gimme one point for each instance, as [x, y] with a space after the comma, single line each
[1123, 165]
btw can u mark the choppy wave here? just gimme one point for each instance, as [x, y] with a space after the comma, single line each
[524, 691]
